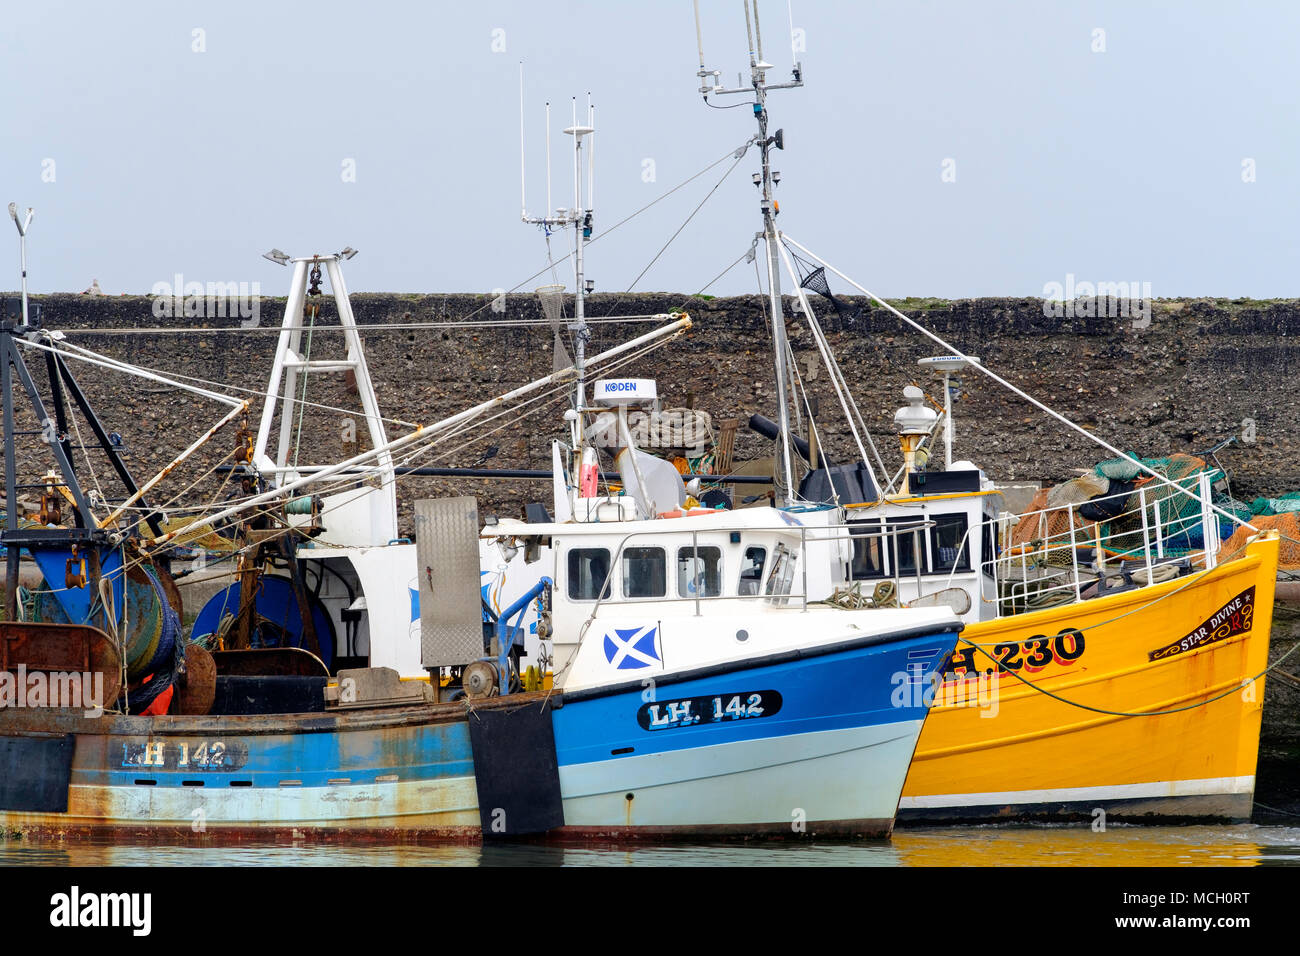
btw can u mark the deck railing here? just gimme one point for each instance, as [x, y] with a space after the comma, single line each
[1071, 558]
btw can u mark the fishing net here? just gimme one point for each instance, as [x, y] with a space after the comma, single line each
[1044, 529]
[1288, 527]
[846, 315]
[816, 281]
[1076, 491]
[1276, 506]
[1241, 509]
[202, 538]
[1176, 504]
[1119, 469]
[552, 299]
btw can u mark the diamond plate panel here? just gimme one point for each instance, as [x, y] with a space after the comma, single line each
[451, 615]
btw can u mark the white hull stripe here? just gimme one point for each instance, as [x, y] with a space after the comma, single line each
[453, 800]
[1210, 786]
[845, 774]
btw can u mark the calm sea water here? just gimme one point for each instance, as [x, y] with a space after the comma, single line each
[1241, 845]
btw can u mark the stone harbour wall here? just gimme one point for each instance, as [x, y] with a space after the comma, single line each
[1182, 378]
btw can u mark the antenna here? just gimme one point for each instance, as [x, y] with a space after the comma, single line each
[549, 207]
[22, 247]
[758, 88]
[704, 74]
[591, 156]
[794, 58]
[757, 65]
[523, 201]
[580, 218]
[699, 42]
[749, 33]
[577, 189]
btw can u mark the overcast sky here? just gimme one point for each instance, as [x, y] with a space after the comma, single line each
[948, 148]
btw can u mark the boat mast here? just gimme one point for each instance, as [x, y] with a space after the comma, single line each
[6, 386]
[580, 218]
[765, 180]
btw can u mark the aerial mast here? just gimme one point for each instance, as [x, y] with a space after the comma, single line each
[766, 180]
[579, 217]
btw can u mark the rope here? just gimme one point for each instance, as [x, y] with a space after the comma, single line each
[686, 301]
[464, 323]
[1289, 679]
[1119, 713]
[117, 365]
[555, 394]
[86, 456]
[1018, 391]
[302, 404]
[707, 197]
[842, 392]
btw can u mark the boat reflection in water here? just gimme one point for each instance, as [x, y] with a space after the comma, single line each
[1126, 846]
[1121, 846]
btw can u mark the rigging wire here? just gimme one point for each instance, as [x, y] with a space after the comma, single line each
[979, 366]
[375, 327]
[685, 223]
[89, 356]
[415, 452]
[847, 404]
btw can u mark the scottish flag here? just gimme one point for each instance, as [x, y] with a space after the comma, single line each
[632, 648]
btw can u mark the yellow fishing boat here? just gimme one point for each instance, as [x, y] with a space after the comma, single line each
[1146, 703]
[1114, 649]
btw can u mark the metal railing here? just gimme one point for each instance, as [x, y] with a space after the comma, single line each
[1133, 548]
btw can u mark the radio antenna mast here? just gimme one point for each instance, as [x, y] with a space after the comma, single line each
[758, 88]
[579, 217]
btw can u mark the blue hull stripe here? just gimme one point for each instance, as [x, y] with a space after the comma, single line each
[859, 687]
[421, 752]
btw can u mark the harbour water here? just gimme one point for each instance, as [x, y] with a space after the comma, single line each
[1243, 845]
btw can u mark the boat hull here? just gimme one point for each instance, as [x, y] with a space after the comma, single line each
[397, 773]
[995, 748]
[832, 719]
[815, 745]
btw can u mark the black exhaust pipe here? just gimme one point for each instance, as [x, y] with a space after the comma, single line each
[770, 429]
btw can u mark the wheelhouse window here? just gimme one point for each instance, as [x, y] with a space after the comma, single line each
[903, 547]
[779, 581]
[751, 571]
[588, 573]
[987, 545]
[699, 572]
[645, 573]
[868, 552]
[948, 543]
